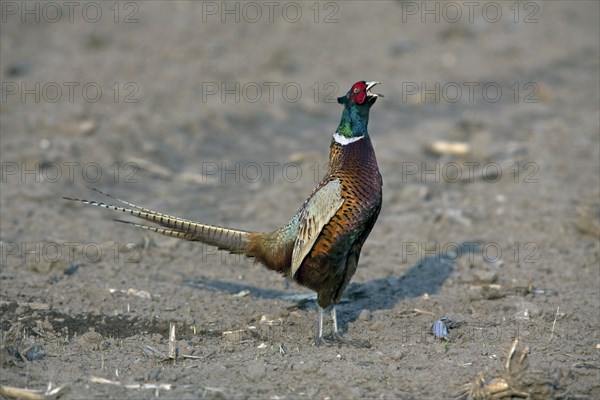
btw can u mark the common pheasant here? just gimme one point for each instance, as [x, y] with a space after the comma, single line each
[320, 246]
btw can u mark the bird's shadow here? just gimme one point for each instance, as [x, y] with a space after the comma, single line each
[427, 276]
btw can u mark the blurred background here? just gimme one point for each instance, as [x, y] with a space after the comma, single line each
[177, 89]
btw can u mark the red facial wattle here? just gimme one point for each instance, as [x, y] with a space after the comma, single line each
[358, 93]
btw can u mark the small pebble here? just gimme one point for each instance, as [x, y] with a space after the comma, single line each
[365, 315]
[396, 355]
[71, 269]
[87, 126]
[35, 353]
[439, 330]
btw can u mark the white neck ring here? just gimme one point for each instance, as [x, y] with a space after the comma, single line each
[343, 140]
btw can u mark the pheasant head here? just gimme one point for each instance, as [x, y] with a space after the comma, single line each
[357, 103]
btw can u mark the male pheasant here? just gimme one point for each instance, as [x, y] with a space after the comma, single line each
[320, 246]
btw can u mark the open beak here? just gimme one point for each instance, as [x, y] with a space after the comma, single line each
[371, 85]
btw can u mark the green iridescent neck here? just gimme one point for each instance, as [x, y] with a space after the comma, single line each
[354, 122]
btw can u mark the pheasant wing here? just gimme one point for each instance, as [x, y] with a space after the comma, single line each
[316, 213]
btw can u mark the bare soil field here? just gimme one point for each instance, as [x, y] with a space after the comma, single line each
[488, 141]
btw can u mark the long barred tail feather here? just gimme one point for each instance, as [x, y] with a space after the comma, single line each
[232, 240]
[163, 231]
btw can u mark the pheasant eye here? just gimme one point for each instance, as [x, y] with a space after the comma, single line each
[356, 90]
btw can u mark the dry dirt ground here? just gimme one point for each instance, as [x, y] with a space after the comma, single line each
[222, 113]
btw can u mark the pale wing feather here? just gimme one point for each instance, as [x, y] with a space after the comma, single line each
[319, 210]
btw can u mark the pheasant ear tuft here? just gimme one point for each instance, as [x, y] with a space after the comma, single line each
[343, 99]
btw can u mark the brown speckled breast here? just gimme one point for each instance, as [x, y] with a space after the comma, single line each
[333, 259]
